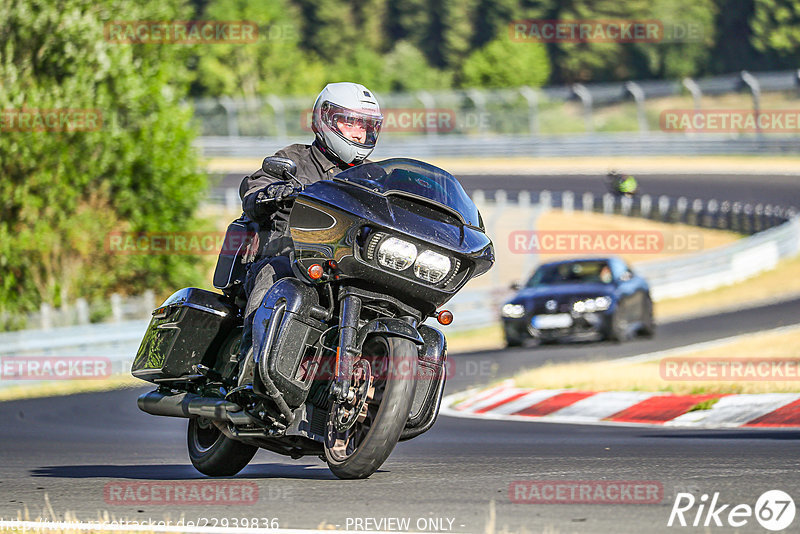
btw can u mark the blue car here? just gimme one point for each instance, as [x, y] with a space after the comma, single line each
[580, 298]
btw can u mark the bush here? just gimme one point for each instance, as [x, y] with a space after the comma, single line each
[63, 191]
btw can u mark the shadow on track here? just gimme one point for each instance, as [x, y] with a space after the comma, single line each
[182, 472]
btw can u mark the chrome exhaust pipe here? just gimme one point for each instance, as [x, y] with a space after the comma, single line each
[192, 405]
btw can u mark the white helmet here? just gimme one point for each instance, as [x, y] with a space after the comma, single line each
[352, 104]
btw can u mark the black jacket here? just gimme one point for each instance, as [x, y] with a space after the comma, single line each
[312, 165]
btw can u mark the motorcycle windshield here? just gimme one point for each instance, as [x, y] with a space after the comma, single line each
[412, 178]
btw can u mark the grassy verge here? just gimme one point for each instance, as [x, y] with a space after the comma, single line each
[68, 387]
[782, 281]
[605, 376]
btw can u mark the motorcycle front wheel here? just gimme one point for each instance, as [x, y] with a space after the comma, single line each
[359, 450]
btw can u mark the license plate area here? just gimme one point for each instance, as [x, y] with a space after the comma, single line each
[548, 322]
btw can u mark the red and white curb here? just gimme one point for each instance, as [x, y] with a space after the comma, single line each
[506, 402]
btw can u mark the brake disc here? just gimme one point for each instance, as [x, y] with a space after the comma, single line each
[344, 416]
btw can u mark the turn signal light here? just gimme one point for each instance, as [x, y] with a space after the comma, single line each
[444, 317]
[315, 272]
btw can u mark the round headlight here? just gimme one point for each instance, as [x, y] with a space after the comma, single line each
[579, 306]
[432, 266]
[513, 311]
[396, 254]
[602, 303]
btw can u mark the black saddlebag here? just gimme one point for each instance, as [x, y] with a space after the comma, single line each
[188, 329]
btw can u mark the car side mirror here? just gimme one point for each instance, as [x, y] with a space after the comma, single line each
[279, 167]
[515, 286]
[627, 276]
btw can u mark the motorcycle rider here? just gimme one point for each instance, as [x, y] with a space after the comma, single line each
[622, 185]
[346, 121]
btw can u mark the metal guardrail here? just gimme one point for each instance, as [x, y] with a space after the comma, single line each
[519, 121]
[577, 144]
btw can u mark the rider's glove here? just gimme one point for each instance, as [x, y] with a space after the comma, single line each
[278, 193]
[261, 205]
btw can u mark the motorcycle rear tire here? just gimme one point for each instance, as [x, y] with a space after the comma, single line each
[213, 453]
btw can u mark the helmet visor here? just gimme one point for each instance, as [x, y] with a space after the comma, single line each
[356, 127]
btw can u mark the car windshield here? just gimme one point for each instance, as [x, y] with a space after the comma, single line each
[409, 177]
[579, 272]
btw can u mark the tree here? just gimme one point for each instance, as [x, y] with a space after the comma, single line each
[274, 64]
[776, 29]
[506, 63]
[65, 190]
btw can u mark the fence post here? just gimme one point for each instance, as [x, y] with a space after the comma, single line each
[280, 115]
[646, 205]
[724, 218]
[568, 202]
[429, 104]
[116, 307]
[582, 92]
[46, 316]
[480, 105]
[681, 205]
[532, 98]
[712, 209]
[755, 90]
[82, 309]
[608, 204]
[545, 200]
[694, 89]
[638, 96]
[587, 202]
[626, 204]
[231, 117]
[663, 207]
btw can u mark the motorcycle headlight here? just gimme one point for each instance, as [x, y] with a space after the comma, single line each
[432, 266]
[513, 311]
[396, 254]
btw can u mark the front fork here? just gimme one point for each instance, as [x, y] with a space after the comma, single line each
[346, 352]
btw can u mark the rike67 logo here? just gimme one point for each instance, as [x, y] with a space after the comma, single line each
[774, 510]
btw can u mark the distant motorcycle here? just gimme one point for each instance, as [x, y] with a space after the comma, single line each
[341, 365]
[622, 185]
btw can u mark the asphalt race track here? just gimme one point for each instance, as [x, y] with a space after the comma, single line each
[76, 450]
[72, 449]
[777, 189]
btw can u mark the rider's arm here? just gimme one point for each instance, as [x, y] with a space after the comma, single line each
[257, 195]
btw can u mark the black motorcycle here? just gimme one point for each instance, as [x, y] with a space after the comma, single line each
[341, 365]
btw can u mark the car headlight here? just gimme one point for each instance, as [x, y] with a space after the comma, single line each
[602, 303]
[513, 311]
[592, 305]
[432, 266]
[397, 254]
